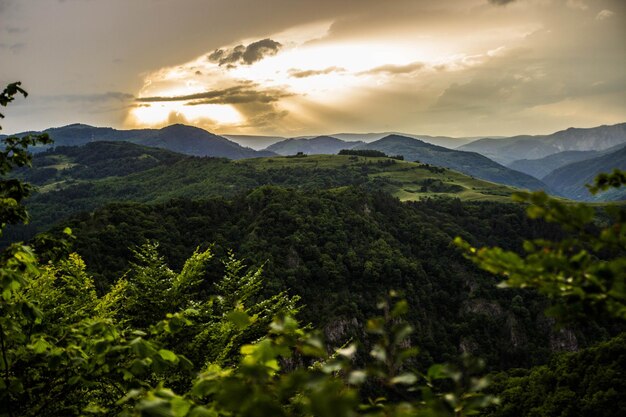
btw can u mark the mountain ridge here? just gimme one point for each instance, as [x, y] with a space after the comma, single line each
[569, 181]
[188, 140]
[508, 150]
[469, 163]
[316, 145]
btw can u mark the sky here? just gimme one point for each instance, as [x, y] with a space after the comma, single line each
[296, 67]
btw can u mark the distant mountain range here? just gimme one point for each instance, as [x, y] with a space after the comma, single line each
[569, 180]
[180, 138]
[469, 163]
[541, 167]
[319, 145]
[445, 141]
[567, 159]
[508, 150]
[255, 142]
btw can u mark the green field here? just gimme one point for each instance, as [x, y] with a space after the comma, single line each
[409, 181]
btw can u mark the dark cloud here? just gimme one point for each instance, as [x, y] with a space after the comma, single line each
[297, 73]
[501, 2]
[96, 98]
[264, 119]
[246, 55]
[395, 69]
[241, 94]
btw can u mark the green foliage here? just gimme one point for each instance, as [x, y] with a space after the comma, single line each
[364, 152]
[339, 250]
[584, 275]
[584, 272]
[603, 181]
[588, 382]
[13, 155]
[261, 384]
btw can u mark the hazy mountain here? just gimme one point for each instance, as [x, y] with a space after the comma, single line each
[191, 140]
[315, 146]
[445, 141]
[180, 138]
[469, 163]
[508, 150]
[541, 167]
[569, 180]
[253, 141]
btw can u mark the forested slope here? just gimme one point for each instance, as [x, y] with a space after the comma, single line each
[74, 179]
[340, 250]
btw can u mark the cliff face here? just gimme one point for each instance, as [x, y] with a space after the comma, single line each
[515, 327]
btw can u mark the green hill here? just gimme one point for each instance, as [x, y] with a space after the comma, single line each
[313, 146]
[340, 250]
[75, 179]
[469, 163]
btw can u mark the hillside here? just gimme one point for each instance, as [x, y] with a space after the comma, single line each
[541, 167]
[180, 138]
[71, 180]
[508, 150]
[340, 250]
[94, 160]
[318, 145]
[469, 163]
[569, 180]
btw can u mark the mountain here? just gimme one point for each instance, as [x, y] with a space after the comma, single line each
[253, 141]
[180, 138]
[315, 146]
[569, 180]
[191, 140]
[469, 163]
[541, 167]
[445, 141]
[508, 150]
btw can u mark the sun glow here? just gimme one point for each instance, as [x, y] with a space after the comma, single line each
[305, 78]
[163, 113]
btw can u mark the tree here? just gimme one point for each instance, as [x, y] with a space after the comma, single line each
[584, 274]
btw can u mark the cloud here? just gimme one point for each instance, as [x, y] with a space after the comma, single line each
[176, 117]
[390, 69]
[297, 73]
[245, 55]
[577, 4]
[501, 2]
[604, 14]
[241, 94]
[96, 98]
